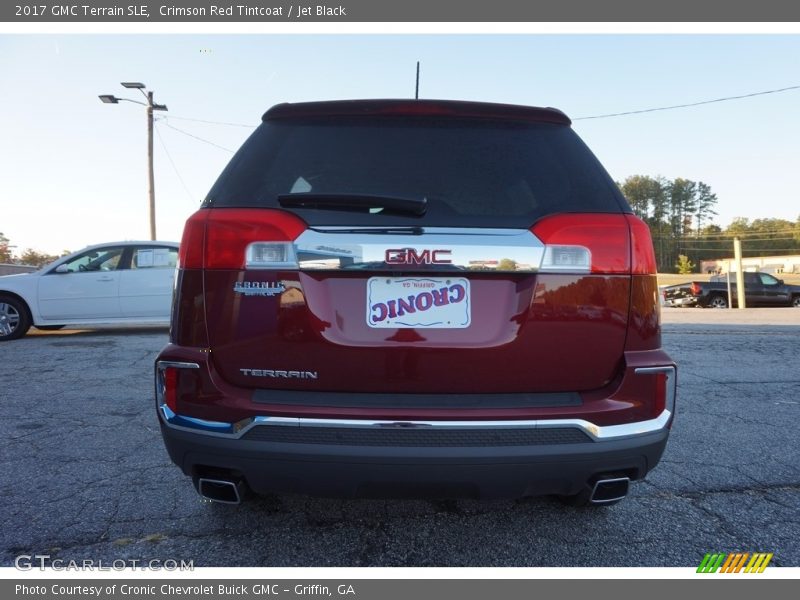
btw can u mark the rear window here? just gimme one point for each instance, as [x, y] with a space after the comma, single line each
[473, 173]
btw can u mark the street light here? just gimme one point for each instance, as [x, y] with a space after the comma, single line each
[150, 106]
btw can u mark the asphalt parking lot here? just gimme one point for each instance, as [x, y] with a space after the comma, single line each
[85, 475]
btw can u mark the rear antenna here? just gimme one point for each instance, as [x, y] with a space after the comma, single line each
[416, 92]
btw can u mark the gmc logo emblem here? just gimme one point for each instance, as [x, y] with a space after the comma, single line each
[409, 256]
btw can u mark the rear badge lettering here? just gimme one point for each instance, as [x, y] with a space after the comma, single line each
[259, 288]
[433, 303]
[410, 256]
[279, 374]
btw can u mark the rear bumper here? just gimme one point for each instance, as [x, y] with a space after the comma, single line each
[326, 466]
[363, 458]
[684, 301]
[391, 457]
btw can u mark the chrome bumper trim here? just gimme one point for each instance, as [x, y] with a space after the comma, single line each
[598, 433]
[236, 430]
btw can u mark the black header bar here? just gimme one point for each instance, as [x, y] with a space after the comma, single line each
[440, 11]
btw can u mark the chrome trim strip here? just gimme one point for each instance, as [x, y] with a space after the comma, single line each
[163, 364]
[672, 381]
[237, 430]
[463, 249]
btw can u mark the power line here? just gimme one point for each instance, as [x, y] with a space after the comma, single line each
[728, 249]
[619, 114]
[727, 98]
[166, 123]
[700, 239]
[213, 122]
[174, 167]
[722, 236]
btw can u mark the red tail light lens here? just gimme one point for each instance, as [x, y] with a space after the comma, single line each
[190, 254]
[596, 243]
[219, 238]
[695, 289]
[171, 388]
[643, 258]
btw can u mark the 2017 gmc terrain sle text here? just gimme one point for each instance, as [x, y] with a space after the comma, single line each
[412, 298]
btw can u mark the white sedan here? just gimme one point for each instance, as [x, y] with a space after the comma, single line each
[116, 283]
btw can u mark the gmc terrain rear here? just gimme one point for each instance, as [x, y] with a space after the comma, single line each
[393, 298]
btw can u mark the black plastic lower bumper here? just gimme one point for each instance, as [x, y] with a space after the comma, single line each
[337, 467]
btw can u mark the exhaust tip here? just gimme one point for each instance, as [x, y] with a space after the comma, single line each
[606, 491]
[224, 491]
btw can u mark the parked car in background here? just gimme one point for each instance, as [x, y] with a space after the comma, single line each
[415, 297]
[113, 283]
[760, 289]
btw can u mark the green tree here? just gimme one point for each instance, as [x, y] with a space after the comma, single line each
[5, 251]
[507, 264]
[36, 259]
[705, 201]
[684, 265]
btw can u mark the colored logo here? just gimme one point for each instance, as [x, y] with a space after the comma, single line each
[736, 562]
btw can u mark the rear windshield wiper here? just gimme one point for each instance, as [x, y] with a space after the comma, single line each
[361, 202]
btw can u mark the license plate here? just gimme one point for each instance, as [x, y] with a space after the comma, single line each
[427, 302]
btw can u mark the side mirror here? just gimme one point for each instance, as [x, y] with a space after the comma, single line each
[62, 269]
[780, 281]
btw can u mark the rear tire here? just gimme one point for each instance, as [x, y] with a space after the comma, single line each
[718, 301]
[796, 301]
[15, 320]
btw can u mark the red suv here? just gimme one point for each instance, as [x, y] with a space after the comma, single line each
[393, 297]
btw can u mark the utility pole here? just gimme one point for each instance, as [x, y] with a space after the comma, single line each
[151, 186]
[730, 297]
[737, 253]
[150, 106]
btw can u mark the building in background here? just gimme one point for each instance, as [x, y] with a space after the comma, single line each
[762, 264]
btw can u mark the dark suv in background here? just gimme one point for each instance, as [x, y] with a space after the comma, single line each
[393, 298]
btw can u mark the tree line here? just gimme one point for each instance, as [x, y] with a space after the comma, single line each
[27, 257]
[680, 214]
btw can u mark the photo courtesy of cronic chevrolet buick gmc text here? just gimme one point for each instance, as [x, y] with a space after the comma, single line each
[388, 298]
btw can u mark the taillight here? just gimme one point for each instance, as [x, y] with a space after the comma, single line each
[175, 380]
[643, 257]
[584, 243]
[695, 289]
[237, 238]
[171, 388]
[190, 254]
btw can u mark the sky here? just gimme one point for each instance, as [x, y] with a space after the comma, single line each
[73, 170]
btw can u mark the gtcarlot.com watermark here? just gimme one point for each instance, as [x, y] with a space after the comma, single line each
[29, 562]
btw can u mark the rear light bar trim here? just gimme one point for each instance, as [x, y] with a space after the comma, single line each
[600, 243]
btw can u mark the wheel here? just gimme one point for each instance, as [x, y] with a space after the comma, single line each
[49, 327]
[796, 301]
[718, 301]
[14, 318]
